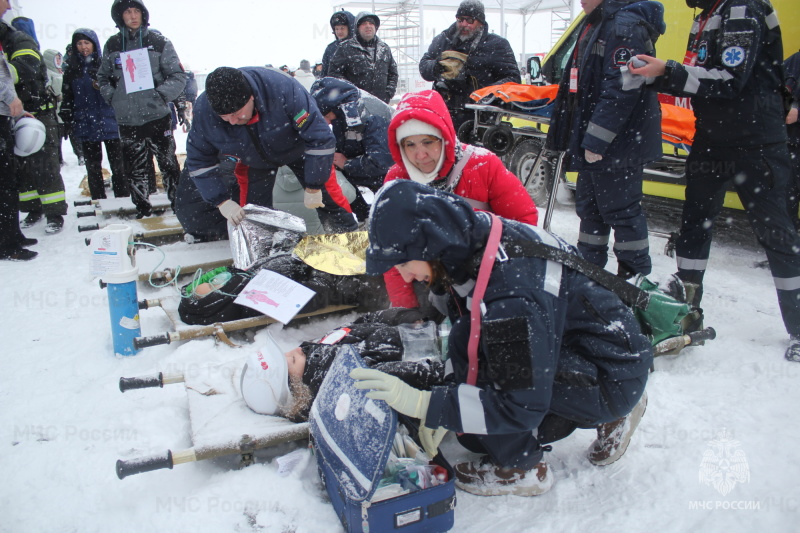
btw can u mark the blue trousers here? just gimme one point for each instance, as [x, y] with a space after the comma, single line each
[607, 199]
[761, 177]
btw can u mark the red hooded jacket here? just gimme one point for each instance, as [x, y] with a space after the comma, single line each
[484, 178]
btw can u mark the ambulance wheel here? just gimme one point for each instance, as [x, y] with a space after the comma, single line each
[537, 181]
[466, 134]
[499, 139]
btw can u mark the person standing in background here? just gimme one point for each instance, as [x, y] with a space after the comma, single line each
[144, 116]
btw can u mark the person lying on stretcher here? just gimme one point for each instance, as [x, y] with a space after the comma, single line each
[397, 341]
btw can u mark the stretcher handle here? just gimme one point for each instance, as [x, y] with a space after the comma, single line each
[701, 335]
[81, 214]
[81, 203]
[154, 340]
[145, 464]
[148, 382]
[90, 227]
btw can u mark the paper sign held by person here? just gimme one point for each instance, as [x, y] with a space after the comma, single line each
[275, 295]
[136, 70]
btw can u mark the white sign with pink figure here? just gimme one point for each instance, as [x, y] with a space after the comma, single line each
[275, 295]
[136, 70]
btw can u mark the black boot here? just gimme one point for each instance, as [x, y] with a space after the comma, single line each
[55, 223]
[32, 218]
[793, 351]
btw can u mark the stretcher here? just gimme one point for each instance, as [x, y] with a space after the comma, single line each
[512, 120]
[119, 207]
[220, 330]
[220, 422]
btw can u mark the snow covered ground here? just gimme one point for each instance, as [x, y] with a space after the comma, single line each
[730, 407]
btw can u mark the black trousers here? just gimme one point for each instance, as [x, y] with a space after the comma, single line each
[761, 177]
[41, 188]
[139, 145]
[10, 234]
[93, 153]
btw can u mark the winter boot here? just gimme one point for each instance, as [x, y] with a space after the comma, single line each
[483, 478]
[55, 223]
[793, 351]
[32, 218]
[27, 241]
[17, 254]
[613, 438]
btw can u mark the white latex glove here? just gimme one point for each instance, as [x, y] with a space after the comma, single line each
[431, 438]
[232, 211]
[592, 157]
[401, 397]
[313, 200]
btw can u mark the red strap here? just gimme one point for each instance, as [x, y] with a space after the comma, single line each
[242, 173]
[487, 263]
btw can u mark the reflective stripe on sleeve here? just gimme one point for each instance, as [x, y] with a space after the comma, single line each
[53, 198]
[201, 171]
[696, 74]
[471, 408]
[322, 151]
[600, 132]
[772, 20]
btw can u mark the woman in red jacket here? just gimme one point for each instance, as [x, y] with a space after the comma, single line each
[425, 149]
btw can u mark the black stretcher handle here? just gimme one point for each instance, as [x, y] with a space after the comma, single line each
[143, 382]
[706, 334]
[147, 464]
[91, 227]
[155, 340]
[81, 203]
[81, 214]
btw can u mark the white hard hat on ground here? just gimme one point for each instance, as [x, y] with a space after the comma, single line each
[265, 380]
[29, 136]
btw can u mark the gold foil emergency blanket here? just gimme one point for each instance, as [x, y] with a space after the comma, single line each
[341, 254]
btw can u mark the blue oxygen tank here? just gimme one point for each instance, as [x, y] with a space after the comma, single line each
[113, 262]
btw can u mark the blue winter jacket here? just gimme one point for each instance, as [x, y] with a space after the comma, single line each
[289, 127]
[543, 322]
[624, 126]
[360, 127]
[92, 118]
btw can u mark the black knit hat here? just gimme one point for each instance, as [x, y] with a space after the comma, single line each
[472, 8]
[227, 90]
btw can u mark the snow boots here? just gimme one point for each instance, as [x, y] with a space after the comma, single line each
[613, 438]
[793, 351]
[32, 218]
[483, 478]
[55, 223]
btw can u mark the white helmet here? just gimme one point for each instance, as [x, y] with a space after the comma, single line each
[29, 136]
[265, 380]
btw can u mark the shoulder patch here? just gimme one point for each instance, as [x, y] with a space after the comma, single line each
[300, 118]
[733, 56]
[621, 56]
[702, 53]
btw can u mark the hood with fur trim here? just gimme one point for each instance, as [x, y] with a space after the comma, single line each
[429, 107]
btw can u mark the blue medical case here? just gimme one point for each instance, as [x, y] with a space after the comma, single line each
[352, 437]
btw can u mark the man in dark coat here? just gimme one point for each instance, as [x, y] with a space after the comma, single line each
[733, 72]
[610, 129]
[255, 120]
[466, 57]
[41, 188]
[366, 61]
[144, 116]
[342, 25]
[360, 123]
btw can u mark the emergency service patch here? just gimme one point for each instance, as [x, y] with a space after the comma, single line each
[702, 52]
[301, 118]
[733, 56]
[621, 56]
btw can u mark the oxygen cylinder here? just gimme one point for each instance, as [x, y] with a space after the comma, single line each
[114, 263]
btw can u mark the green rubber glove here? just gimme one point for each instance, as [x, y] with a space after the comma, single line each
[402, 398]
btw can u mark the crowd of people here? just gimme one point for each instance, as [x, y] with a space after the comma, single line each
[537, 348]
